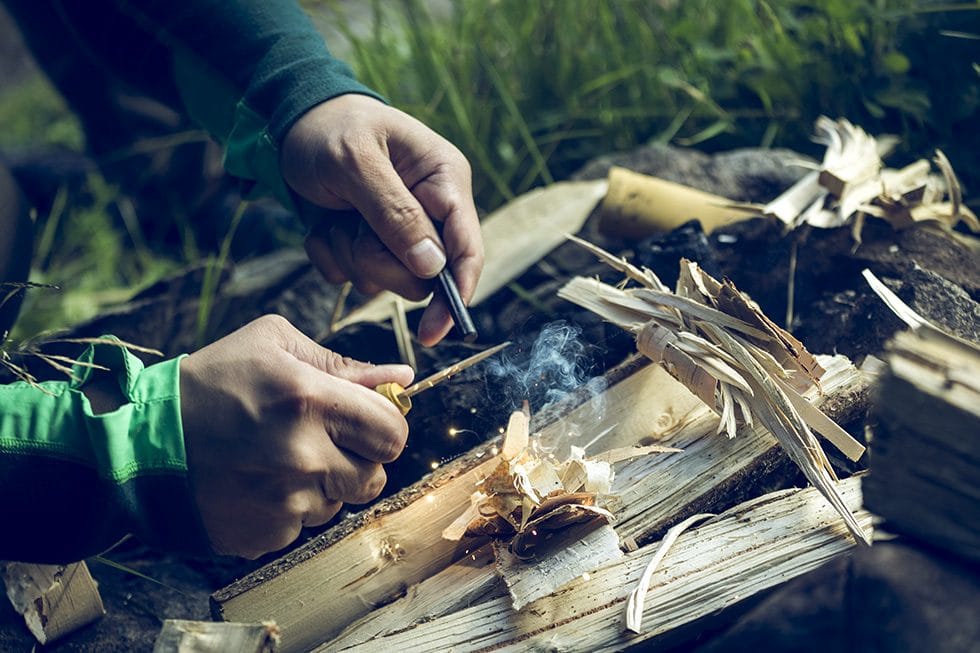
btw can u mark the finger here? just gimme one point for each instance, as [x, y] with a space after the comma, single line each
[321, 255]
[305, 350]
[448, 198]
[363, 422]
[436, 322]
[397, 217]
[379, 266]
[353, 480]
[321, 509]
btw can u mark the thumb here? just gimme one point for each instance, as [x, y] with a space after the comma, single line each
[398, 218]
[302, 348]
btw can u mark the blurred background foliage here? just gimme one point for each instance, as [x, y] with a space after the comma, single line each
[529, 91]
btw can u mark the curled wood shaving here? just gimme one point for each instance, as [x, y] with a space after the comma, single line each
[529, 495]
[852, 182]
[634, 605]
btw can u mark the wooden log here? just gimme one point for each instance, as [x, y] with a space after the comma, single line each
[570, 555]
[373, 558]
[752, 547]
[54, 600]
[180, 636]
[925, 453]
[638, 205]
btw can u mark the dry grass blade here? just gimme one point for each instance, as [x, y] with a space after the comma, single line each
[697, 310]
[21, 373]
[902, 310]
[594, 296]
[777, 414]
[110, 341]
[645, 278]
[403, 335]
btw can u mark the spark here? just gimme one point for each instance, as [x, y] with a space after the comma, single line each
[434, 464]
[586, 576]
[494, 451]
[453, 431]
[472, 411]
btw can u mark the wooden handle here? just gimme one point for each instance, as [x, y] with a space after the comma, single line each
[393, 393]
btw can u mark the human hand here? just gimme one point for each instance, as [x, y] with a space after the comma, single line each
[354, 152]
[280, 431]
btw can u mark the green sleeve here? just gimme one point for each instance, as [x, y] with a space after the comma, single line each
[74, 483]
[246, 70]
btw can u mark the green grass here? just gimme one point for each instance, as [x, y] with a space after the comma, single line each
[530, 90]
[32, 112]
[92, 260]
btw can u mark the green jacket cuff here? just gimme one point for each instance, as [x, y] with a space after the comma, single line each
[96, 477]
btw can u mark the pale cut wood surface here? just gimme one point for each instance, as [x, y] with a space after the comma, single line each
[54, 600]
[754, 546]
[515, 237]
[469, 581]
[180, 636]
[571, 555]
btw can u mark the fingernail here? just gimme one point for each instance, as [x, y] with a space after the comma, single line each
[426, 259]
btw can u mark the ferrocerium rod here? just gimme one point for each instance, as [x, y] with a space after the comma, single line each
[457, 309]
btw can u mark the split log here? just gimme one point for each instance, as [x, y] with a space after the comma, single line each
[180, 636]
[752, 547]
[396, 550]
[925, 453]
[54, 600]
[515, 237]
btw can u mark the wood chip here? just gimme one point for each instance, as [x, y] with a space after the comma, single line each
[54, 600]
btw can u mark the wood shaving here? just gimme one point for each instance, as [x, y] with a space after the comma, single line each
[634, 605]
[732, 357]
[530, 495]
[852, 182]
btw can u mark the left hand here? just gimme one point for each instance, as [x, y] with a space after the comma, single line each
[354, 152]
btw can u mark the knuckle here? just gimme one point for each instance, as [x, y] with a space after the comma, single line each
[295, 505]
[287, 535]
[295, 400]
[272, 322]
[370, 486]
[402, 218]
[304, 461]
[390, 447]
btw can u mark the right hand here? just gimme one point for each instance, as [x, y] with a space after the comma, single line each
[355, 152]
[280, 431]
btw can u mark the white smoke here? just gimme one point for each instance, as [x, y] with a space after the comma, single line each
[557, 363]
